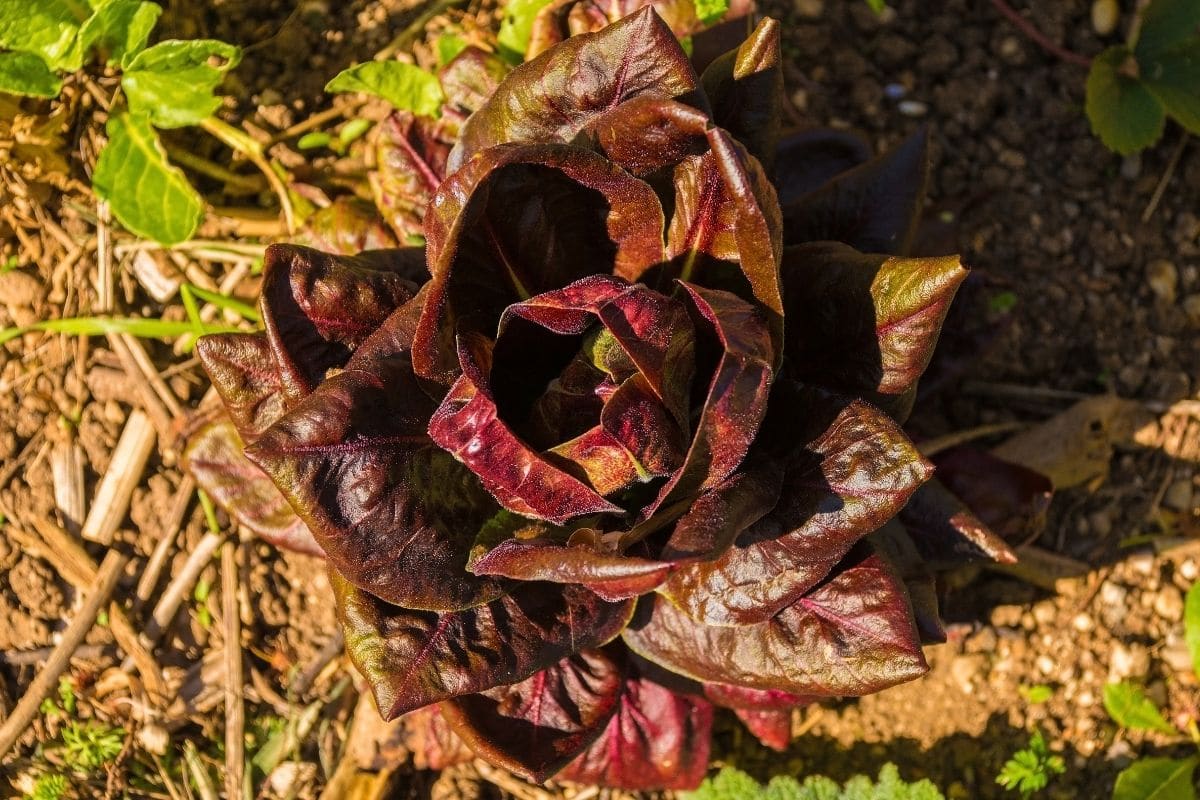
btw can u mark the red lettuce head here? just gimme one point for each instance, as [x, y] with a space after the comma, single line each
[623, 439]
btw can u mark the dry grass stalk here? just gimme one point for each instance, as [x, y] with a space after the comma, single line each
[66, 466]
[162, 551]
[123, 475]
[235, 712]
[181, 584]
[151, 404]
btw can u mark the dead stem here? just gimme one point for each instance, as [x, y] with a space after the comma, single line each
[234, 702]
[1026, 27]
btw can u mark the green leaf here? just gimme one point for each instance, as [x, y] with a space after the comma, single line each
[1166, 23]
[709, 11]
[403, 85]
[733, 784]
[173, 82]
[1191, 625]
[26, 74]
[1123, 112]
[1130, 708]
[448, 46]
[877, 5]
[1157, 779]
[149, 196]
[120, 29]
[100, 326]
[48, 28]
[1031, 769]
[1037, 694]
[1173, 76]
[517, 26]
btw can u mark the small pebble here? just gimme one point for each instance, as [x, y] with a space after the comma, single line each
[1128, 661]
[1044, 612]
[895, 91]
[1105, 16]
[1188, 570]
[913, 108]
[1142, 563]
[1045, 664]
[1168, 604]
[1083, 622]
[1178, 496]
[1191, 307]
[1163, 279]
[1131, 167]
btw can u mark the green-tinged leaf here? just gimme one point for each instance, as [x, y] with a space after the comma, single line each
[27, 74]
[100, 326]
[1191, 625]
[448, 46]
[877, 5]
[403, 85]
[1031, 769]
[517, 26]
[709, 11]
[1157, 779]
[1166, 23]
[173, 82]
[1124, 113]
[149, 196]
[1173, 76]
[1130, 708]
[120, 29]
[48, 28]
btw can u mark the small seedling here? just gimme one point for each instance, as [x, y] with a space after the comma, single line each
[733, 784]
[90, 745]
[1030, 769]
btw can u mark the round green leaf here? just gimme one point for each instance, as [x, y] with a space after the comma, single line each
[172, 83]
[27, 74]
[48, 28]
[1124, 113]
[403, 85]
[1173, 76]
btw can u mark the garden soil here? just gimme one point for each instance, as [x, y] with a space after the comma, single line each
[1089, 264]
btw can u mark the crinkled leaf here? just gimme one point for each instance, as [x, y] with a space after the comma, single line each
[856, 471]
[470, 78]
[214, 457]
[429, 738]
[318, 307]
[149, 196]
[405, 86]
[745, 88]
[1124, 113]
[172, 82]
[613, 577]
[409, 162]
[242, 369]
[1012, 500]
[1173, 76]
[729, 695]
[851, 635]
[120, 29]
[1157, 779]
[1164, 24]
[395, 514]
[874, 207]
[414, 658]
[719, 515]
[806, 161]
[47, 28]
[535, 727]
[864, 324]
[468, 425]
[27, 74]
[947, 533]
[553, 97]
[647, 133]
[893, 544]
[510, 225]
[1129, 707]
[657, 740]
[562, 19]
[348, 226]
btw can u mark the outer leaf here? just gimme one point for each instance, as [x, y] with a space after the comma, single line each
[172, 83]
[47, 28]
[348, 226]
[1130, 708]
[214, 457]
[429, 738]
[893, 544]
[535, 727]
[149, 196]
[1191, 625]
[806, 161]
[242, 369]
[719, 515]
[395, 514]
[1124, 113]
[947, 533]
[317, 307]
[772, 728]
[767, 714]
[509, 225]
[745, 88]
[1157, 779]
[1164, 24]
[647, 133]
[1010, 499]
[613, 577]
[120, 29]
[874, 207]
[848, 481]
[862, 324]
[553, 97]
[657, 740]
[414, 658]
[407, 87]
[851, 635]
[410, 161]
[470, 79]
[562, 19]
[1173, 76]
[27, 74]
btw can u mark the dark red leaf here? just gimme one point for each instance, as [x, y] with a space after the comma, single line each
[772, 728]
[562, 19]
[429, 738]
[409, 162]
[729, 695]
[947, 533]
[470, 79]
[806, 161]
[745, 88]
[648, 133]
[657, 740]
[414, 658]
[535, 727]
[348, 226]
[1010, 499]
[242, 369]
[612, 576]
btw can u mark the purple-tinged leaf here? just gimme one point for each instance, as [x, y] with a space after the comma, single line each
[806, 161]
[467, 425]
[521, 220]
[317, 308]
[729, 695]
[865, 325]
[851, 635]
[772, 728]
[408, 156]
[470, 79]
[893, 544]
[562, 19]
[874, 207]
[554, 96]
[657, 740]
[429, 738]
[851, 477]
[536, 727]
[717, 516]
[1010, 499]
[346, 227]
[395, 514]
[745, 88]
[242, 369]
[414, 658]
[611, 576]
[647, 134]
[947, 533]
[726, 229]
[214, 457]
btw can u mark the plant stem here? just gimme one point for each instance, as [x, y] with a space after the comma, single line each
[251, 149]
[1026, 27]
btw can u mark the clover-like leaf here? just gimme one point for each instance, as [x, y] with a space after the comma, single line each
[535, 727]
[1124, 113]
[27, 74]
[745, 88]
[1173, 76]
[172, 82]
[405, 86]
[149, 196]
[414, 658]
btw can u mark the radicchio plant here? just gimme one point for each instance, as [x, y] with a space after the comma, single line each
[622, 441]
